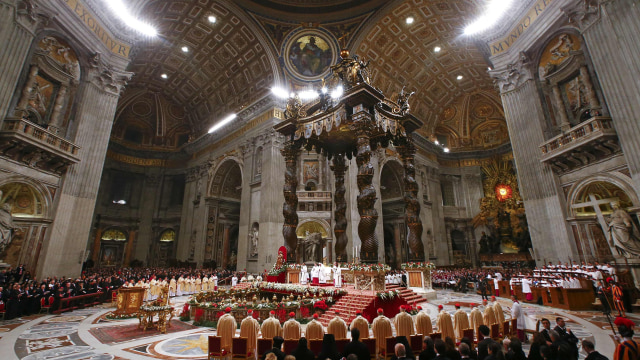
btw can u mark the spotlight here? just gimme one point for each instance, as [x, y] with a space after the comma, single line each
[164, 76]
[280, 92]
[337, 92]
[410, 20]
[493, 13]
[222, 123]
[308, 95]
[185, 49]
[212, 19]
[437, 142]
[120, 10]
[446, 149]
[459, 77]
[437, 49]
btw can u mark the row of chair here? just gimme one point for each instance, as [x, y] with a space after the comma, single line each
[45, 305]
[240, 349]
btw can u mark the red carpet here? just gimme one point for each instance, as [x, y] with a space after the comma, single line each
[120, 333]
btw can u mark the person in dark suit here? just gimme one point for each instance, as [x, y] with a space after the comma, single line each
[483, 345]
[329, 348]
[356, 347]
[546, 327]
[277, 348]
[567, 335]
[400, 352]
[441, 349]
[302, 352]
[429, 352]
[592, 354]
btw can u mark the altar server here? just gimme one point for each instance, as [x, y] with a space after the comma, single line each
[337, 276]
[271, 327]
[423, 322]
[461, 322]
[404, 323]
[234, 280]
[381, 327]
[215, 282]
[360, 323]
[315, 273]
[337, 327]
[292, 329]
[518, 314]
[249, 328]
[227, 329]
[314, 330]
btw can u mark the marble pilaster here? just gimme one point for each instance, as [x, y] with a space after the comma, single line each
[149, 200]
[63, 251]
[16, 35]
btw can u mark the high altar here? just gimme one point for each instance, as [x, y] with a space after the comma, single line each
[351, 118]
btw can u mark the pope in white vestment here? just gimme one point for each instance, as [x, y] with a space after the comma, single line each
[304, 275]
[323, 274]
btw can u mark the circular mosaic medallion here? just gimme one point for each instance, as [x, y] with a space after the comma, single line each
[308, 54]
[188, 346]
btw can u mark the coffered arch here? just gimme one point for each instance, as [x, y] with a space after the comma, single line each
[403, 54]
[228, 64]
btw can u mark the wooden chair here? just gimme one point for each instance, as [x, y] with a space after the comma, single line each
[290, 345]
[264, 345]
[239, 348]
[468, 333]
[480, 336]
[506, 330]
[435, 336]
[495, 331]
[389, 348]
[44, 306]
[2, 310]
[416, 343]
[215, 347]
[341, 343]
[371, 345]
[114, 296]
[514, 326]
[315, 346]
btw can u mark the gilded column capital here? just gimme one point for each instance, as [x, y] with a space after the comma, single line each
[515, 74]
[106, 77]
[584, 13]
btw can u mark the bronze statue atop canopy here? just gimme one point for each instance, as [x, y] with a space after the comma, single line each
[351, 118]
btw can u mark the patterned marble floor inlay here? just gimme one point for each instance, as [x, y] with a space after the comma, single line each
[86, 334]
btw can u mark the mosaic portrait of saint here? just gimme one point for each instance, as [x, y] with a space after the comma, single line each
[310, 55]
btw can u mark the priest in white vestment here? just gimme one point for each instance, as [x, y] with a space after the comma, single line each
[323, 274]
[337, 276]
[304, 275]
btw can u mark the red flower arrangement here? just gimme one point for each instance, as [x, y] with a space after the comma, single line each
[185, 310]
[199, 315]
[320, 305]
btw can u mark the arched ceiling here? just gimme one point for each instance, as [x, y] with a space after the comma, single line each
[236, 60]
[403, 54]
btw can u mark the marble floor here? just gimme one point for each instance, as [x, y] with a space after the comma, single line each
[86, 334]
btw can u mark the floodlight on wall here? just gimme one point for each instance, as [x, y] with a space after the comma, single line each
[120, 202]
[308, 95]
[222, 123]
[212, 19]
[121, 11]
[280, 92]
[437, 49]
[492, 13]
[337, 92]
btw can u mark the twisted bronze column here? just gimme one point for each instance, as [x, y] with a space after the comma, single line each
[412, 205]
[339, 168]
[367, 197]
[290, 207]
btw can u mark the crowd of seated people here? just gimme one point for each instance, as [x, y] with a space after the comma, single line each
[23, 295]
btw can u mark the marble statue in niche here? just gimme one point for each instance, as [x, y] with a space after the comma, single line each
[6, 225]
[623, 232]
[313, 244]
[253, 240]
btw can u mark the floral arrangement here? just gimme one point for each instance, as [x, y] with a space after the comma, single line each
[294, 266]
[113, 316]
[418, 266]
[320, 305]
[156, 307]
[302, 289]
[388, 295]
[368, 267]
[275, 271]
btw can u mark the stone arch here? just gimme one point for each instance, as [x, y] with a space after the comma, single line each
[221, 174]
[39, 190]
[617, 179]
[323, 223]
[394, 166]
